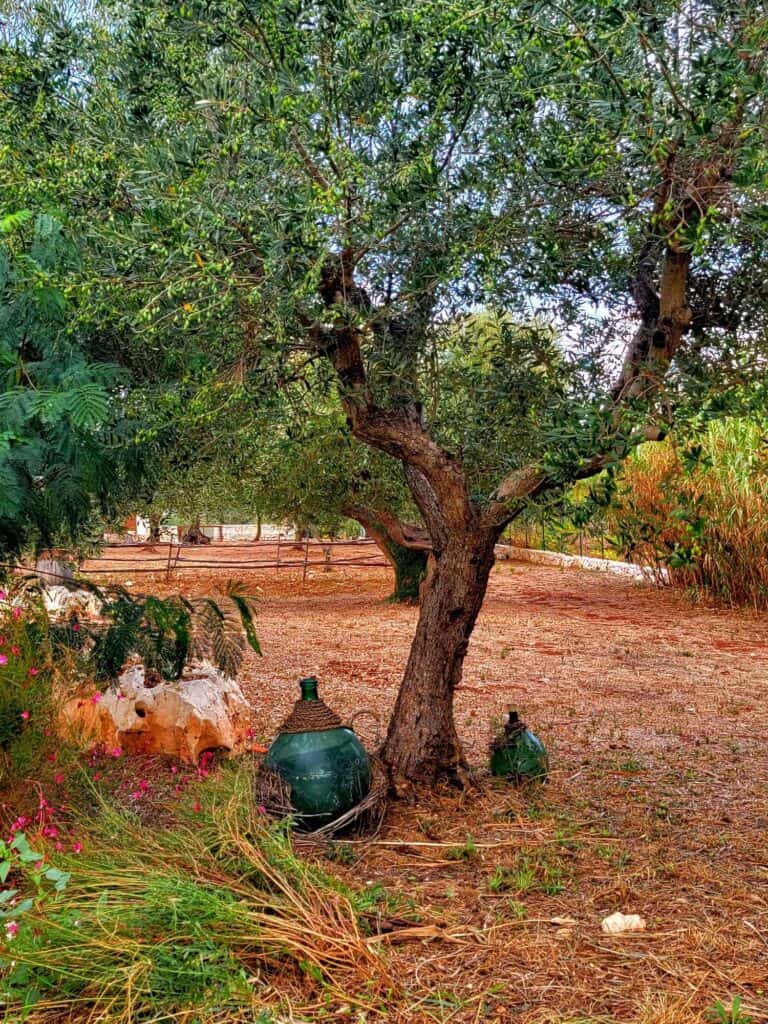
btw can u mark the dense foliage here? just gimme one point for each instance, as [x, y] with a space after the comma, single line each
[211, 158]
[697, 514]
[61, 425]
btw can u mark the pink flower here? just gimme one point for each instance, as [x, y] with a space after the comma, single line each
[58, 778]
[3, 659]
[3, 595]
[34, 671]
[2, 641]
[95, 698]
[196, 807]
[96, 776]
[24, 715]
[11, 928]
[16, 613]
[75, 627]
[174, 769]
[77, 848]
[143, 786]
[116, 752]
[261, 809]
[120, 695]
[15, 649]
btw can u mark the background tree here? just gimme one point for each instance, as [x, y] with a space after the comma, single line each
[285, 457]
[269, 187]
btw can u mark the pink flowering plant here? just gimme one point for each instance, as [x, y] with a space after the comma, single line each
[25, 663]
[32, 880]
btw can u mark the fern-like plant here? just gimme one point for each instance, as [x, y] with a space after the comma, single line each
[64, 434]
[165, 633]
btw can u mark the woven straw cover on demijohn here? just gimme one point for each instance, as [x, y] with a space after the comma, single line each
[310, 716]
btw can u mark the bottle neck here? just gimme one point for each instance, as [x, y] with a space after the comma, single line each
[308, 688]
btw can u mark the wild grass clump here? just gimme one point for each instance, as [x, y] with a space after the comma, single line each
[697, 517]
[26, 666]
[195, 922]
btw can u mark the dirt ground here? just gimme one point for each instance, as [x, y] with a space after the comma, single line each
[655, 713]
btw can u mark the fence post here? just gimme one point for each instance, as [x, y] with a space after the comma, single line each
[306, 559]
[543, 537]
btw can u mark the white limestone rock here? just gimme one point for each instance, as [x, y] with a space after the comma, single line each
[204, 710]
[62, 601]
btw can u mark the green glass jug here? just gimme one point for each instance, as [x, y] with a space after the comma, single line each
[518, 754]
[322, 761]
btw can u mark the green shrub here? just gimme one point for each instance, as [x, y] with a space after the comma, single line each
[25, 679]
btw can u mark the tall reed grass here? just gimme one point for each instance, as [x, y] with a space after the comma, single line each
[698, 517]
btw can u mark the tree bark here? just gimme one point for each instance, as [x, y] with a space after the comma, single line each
[422, 743]
[405, 547]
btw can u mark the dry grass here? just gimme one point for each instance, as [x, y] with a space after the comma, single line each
[163, 924]
[656, 716]
[705, 528]
[535, 953]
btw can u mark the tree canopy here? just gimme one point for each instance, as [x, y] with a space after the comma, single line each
[353, 195]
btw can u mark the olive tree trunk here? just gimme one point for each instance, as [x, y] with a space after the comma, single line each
[422, 743]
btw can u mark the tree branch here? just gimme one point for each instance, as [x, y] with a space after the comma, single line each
[407, 535]
[435, 476]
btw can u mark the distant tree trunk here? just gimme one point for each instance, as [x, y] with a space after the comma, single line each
[410, 569]
[258, 527]
[406, 548]
[195, 535]
[154, 527]
[300, 533]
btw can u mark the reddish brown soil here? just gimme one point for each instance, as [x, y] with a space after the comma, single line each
[655, 712]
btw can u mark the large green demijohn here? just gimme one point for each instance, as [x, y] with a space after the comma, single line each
[517, 753]
[323, 761]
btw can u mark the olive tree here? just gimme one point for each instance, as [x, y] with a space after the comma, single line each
[339, 183]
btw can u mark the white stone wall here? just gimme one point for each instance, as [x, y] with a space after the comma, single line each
[533, 555]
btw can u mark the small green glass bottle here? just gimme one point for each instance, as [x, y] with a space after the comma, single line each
[518, 754]
[323, 761]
